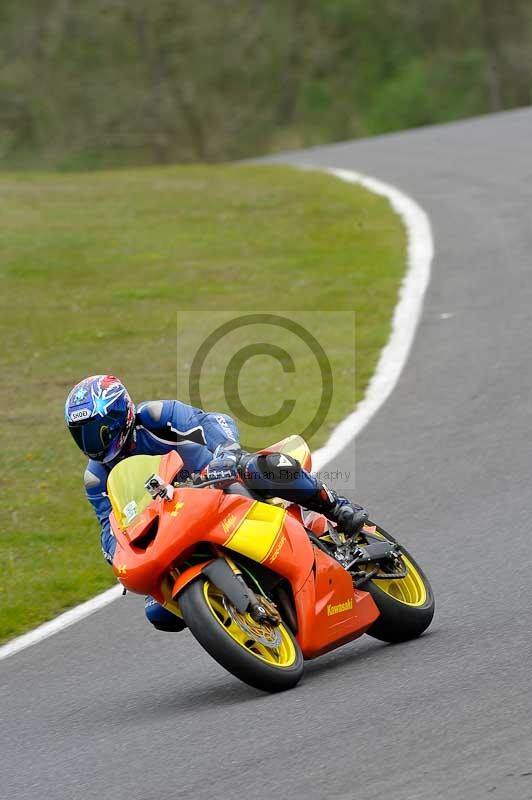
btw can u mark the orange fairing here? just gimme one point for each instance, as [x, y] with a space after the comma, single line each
[240, 524]
[163, 544]
[329, 610]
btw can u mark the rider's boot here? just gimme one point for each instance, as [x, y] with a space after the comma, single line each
[349, 517]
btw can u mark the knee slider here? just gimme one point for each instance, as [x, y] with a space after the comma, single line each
[279, 467]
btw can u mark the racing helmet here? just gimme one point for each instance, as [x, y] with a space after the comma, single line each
[100, 415]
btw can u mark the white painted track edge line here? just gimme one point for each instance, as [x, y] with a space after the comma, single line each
[60, 623]
[420, 251]
[406, 316]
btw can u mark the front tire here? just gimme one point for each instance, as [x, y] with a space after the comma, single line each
[238, 643]
[406, 605]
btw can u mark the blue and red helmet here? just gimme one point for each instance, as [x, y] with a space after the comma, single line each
[100, 416]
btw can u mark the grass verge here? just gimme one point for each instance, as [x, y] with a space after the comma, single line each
[94, 268]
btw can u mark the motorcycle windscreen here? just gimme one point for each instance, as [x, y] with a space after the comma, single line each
[125, 487]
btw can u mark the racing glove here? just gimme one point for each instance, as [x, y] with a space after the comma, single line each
[349, 517]
[224, 465]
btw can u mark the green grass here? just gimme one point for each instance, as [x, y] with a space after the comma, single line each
[94, 269]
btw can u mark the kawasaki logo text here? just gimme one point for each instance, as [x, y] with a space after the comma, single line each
[347, 606]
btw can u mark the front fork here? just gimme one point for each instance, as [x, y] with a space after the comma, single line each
[227, 576]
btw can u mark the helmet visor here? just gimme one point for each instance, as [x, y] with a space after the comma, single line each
[98, 438]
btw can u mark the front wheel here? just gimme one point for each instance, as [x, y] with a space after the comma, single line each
[406, 604]
[262, 655]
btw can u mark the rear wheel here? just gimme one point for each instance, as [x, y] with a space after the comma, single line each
[262, 655]
[406, 604]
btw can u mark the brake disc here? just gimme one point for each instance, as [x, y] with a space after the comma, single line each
[261, 632]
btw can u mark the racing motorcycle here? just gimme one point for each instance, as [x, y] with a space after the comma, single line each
[262, 586]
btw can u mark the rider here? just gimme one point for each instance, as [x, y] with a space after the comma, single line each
[107, 427]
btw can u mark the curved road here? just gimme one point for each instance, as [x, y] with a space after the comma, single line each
[110, 709]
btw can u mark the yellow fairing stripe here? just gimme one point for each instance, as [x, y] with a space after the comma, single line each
[257, 533]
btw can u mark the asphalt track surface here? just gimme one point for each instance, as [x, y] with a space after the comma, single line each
[111, 709]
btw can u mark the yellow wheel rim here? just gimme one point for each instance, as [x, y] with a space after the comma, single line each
[410, 590]
[268, 643]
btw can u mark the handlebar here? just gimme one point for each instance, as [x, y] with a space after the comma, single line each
[200, 482]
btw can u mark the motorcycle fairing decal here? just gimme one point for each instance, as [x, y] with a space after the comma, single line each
[229, 523]
[339, 607]
[259, 531]
[275, 550]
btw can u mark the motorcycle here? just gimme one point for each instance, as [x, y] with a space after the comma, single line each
[262, 586]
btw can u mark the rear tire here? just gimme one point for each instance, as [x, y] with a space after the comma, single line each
[406, 609]
[209, 618]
